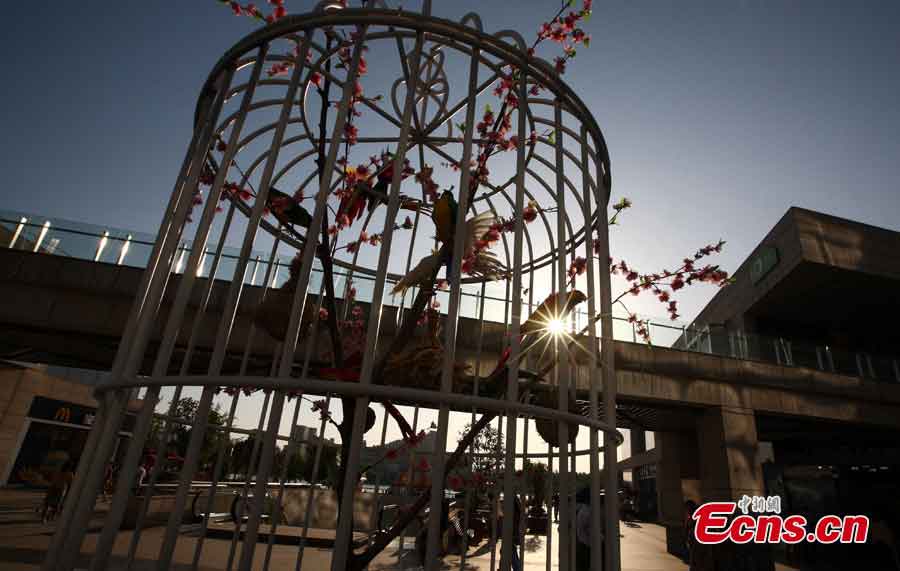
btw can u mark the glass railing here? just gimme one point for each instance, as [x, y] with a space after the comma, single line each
[60, 237]
[790, 353]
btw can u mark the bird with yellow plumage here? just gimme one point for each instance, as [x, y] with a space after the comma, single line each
[444, 216]
[484, 263]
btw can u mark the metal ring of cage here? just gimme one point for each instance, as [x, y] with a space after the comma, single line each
[443, 34]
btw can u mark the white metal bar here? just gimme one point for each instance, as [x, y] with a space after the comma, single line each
[310, 346]
[304, 532]
[565, 514]
[512, 390]
[345, 520]
[300, 294]
[550, 514]
[124, 250]
[592, 377]
[41, 236]
[66, 543]
[245, 489]
[452, 319]
[573, 538]
[101, 245]
[243, 371]
[202, 414]
[170, 335]
[18, 232]
[523, 515]
[607, 360]
[495, 500]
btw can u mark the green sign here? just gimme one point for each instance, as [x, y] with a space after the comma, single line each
[762, 263]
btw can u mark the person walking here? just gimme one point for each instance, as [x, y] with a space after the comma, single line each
[583, 538]
[555, 503]
[139, 481]
[108, 481]
[690, 507]
[56, 493]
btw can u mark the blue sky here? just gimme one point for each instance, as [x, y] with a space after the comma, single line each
[719, 115]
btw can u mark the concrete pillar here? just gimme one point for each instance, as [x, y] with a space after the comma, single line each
[676, 482]
[729, 451]
[730, 468]
[638, 441]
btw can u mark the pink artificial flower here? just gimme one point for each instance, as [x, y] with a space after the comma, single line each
[455, 482]
[560, 64]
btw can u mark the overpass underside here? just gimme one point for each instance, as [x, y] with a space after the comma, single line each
[71, 312]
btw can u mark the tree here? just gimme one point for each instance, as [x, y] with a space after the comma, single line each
[175, 448]
[485, 461]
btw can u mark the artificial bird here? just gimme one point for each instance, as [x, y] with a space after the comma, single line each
[444, 216]
[483, 262]
[556, 307]
[365, 193]
[286, 210]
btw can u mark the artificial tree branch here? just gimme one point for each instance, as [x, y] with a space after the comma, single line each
[409, 324]
[324, 254]
[359, 561]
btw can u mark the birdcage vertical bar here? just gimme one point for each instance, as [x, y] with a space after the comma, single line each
[198, 320]
[345, 518]
[523, 515]
[573, 535]
[245, 489]
[300, 296]
[479, 344]
[512, 380]
[226, 324]
[592, 370]
[170, 335]
[221, 446]
[320, 444]
[607, 360]
[454, 270]
[494, 499]
[548, 562]
[562, 369]
[310, 346]
[131, 351]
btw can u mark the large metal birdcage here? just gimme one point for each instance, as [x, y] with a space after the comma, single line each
[254, 275]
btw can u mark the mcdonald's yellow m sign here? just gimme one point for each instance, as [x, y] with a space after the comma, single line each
[63, 414]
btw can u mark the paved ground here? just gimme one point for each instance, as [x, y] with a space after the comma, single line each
[23, 541]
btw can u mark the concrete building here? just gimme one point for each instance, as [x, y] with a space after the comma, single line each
[46, 413]
[814, 305]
